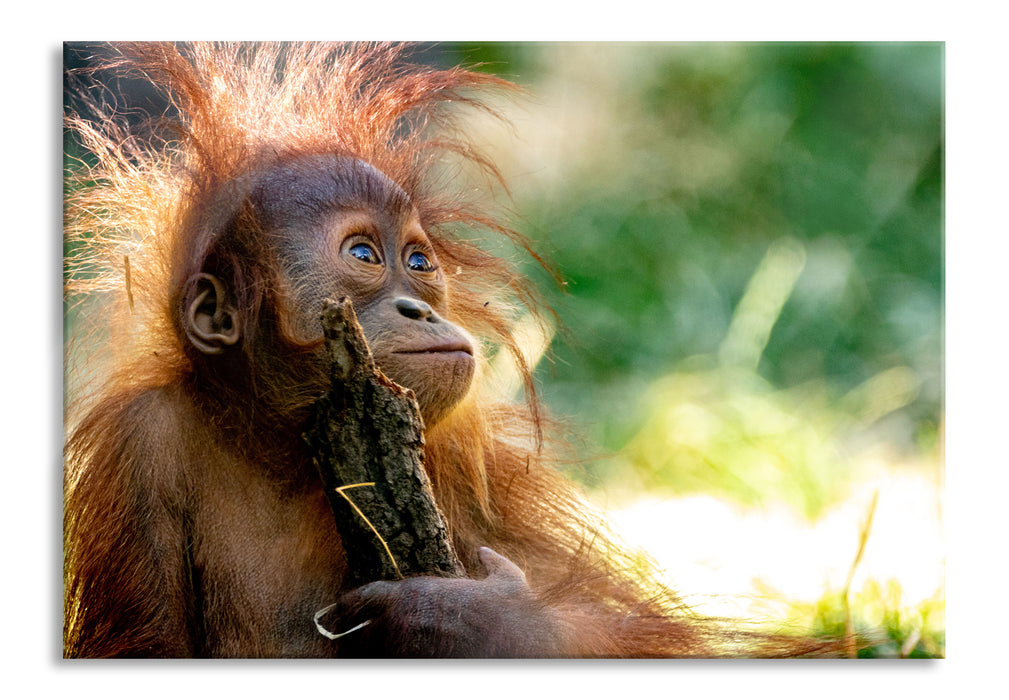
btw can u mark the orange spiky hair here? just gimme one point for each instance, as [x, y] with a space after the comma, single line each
[147, 206]
[141, 215]
[144, 210]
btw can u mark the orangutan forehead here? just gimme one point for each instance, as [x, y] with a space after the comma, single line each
[312, 187]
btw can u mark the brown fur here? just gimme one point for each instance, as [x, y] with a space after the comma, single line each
[194, 524]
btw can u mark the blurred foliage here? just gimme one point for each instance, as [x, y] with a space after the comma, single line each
[752, 236]
[727, 432]
[888, 626]
[701, 163]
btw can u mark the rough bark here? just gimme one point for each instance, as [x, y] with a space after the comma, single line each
[368, 430]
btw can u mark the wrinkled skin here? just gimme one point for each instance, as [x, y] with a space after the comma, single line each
[427, 617]
[353, 232]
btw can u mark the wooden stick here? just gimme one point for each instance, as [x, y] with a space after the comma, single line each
[367, 440]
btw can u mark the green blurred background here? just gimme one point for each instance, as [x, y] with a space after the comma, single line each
[752, 240]
[820, 166]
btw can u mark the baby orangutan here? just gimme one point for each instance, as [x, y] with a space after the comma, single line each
[196, 524]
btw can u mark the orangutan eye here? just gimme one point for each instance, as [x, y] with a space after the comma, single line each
[365, 253]
[418, 262]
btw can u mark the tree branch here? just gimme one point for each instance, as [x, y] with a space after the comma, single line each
[367, 439]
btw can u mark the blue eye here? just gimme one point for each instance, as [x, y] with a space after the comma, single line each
[418, 262]
[364, 253]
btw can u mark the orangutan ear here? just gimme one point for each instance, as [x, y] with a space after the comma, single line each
[211, 323]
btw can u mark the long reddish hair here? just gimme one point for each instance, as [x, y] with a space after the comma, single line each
[146, 209]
